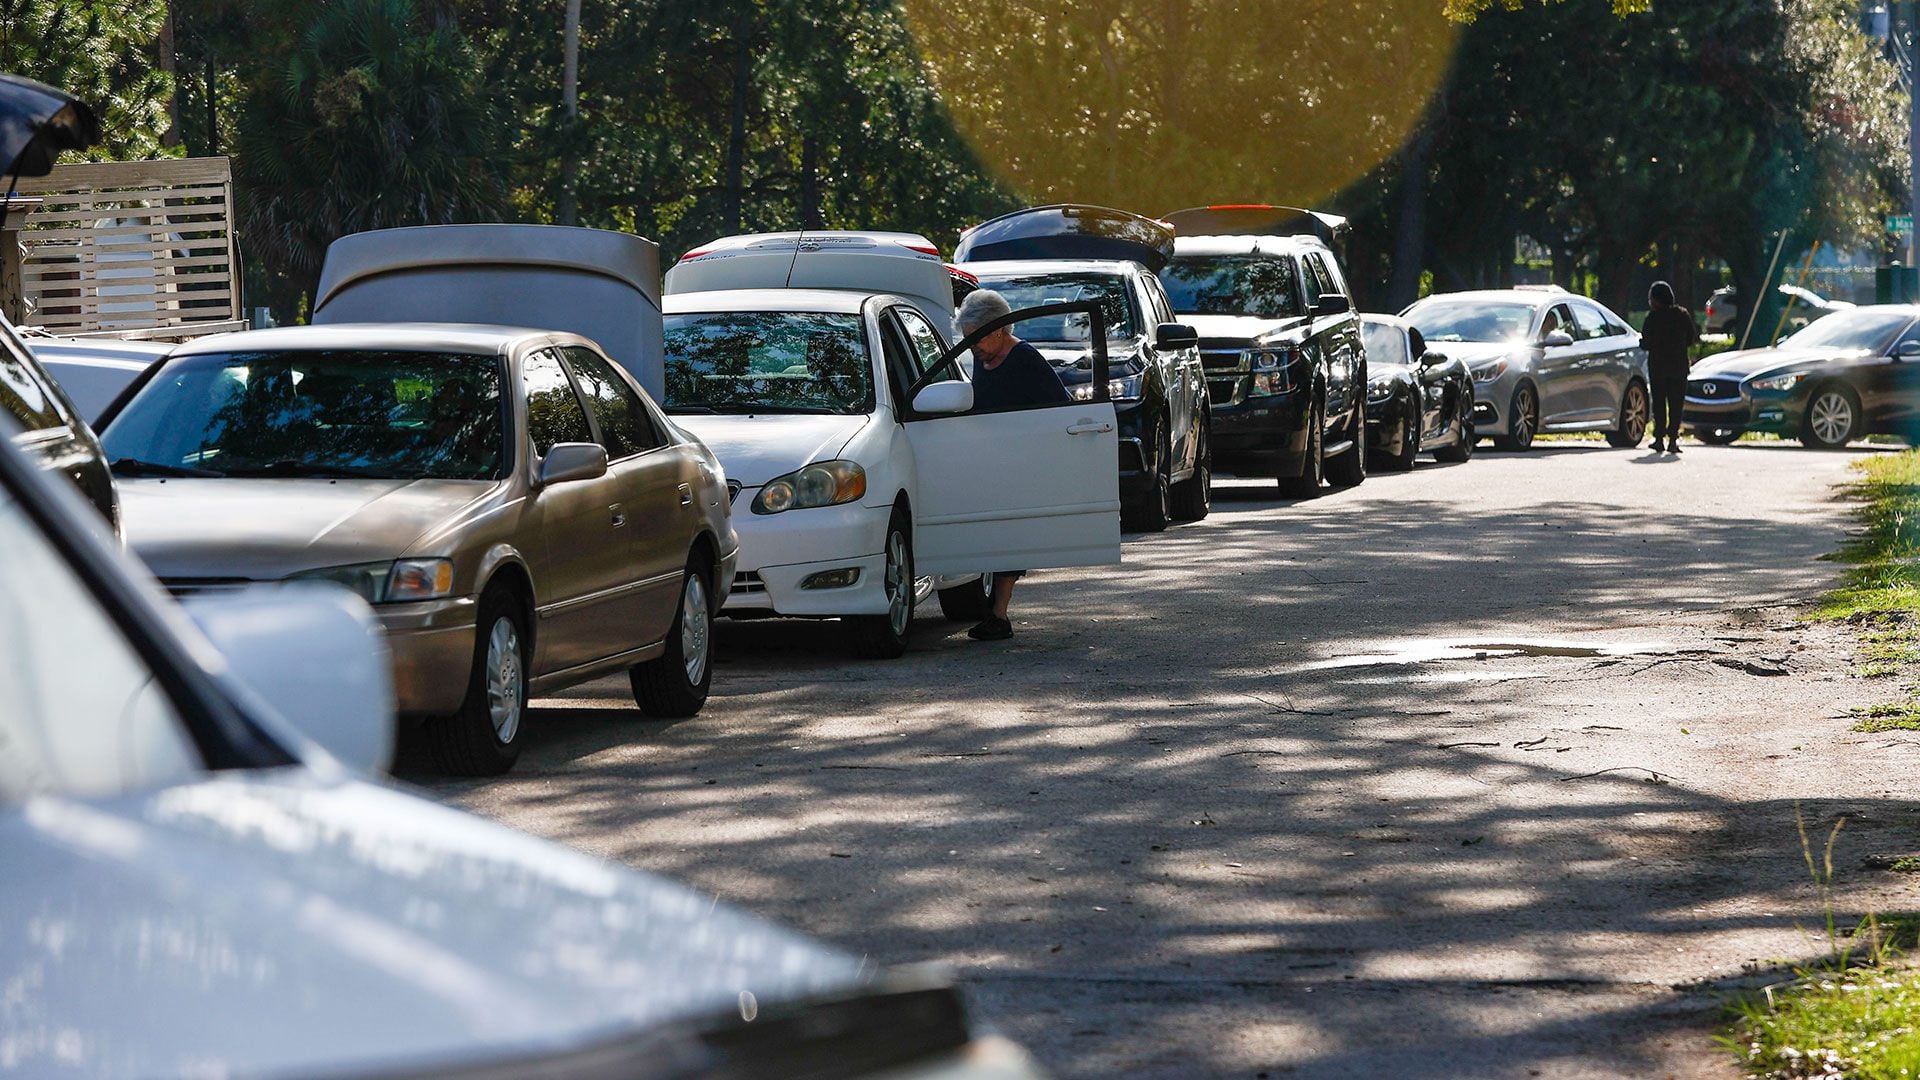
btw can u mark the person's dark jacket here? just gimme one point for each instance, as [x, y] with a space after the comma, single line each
[1667, 335]
[1022, 378]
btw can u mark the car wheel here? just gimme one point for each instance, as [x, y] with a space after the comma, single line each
[1307, 484]
[1350, 469]
[1718, 436]
[1193, 497]
[676, 682]
[1409, 441]
[1152, 510]
[1635, 411]
[1525, 420]
[1833, 417]
[970, 602]
[483, 738]
[884, 637]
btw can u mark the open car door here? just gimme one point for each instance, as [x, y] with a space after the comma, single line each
[1021, 490]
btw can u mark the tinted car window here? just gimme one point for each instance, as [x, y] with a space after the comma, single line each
[331, 413]
[768, 362]
[1232, 285]
[22, 395]
[554, 414]
[625, 427]
[1309, 284]
[1036, 290]
[1386, 344]
[1321, 277]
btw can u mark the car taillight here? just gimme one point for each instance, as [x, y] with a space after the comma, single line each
[696, 254]
[924, 249]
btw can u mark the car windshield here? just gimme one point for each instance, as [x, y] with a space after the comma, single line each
[1232, 285]
[1872, 331]
[346, 413]
[1385, 344]
[1036, 290]
[768, 362]
[1471, 320]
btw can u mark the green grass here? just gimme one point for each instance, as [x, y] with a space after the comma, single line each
[1889, 716]
[1883, 571]
[1858, 1023]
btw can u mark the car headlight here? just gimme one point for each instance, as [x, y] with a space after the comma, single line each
[823, 483]
[389, 582]
[1125, 388]
[1272, 370]
[1490, 372]
[1778, 382]
[1379, 390]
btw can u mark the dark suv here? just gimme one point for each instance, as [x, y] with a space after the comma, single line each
[1285, 359]
[1059, 254]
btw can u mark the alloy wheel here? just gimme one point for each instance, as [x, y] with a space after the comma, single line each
[696, 628]
[1524, 418]
[1831, 417]
[1638, 414]
[899, 594]
[505, 694]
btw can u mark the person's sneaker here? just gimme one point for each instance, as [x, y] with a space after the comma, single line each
[991, 629]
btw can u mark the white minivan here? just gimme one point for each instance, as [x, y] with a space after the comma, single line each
[819, 367]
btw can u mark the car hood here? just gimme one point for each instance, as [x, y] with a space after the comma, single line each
[1751, 362]
[755, 449]
[1236, 328]
[285, 924]
[265, 529]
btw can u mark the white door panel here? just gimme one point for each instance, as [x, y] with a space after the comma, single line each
[1020, 490]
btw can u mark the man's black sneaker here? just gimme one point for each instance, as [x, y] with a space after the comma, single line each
[991, 629]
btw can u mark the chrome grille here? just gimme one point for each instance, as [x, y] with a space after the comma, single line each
[1219, 360]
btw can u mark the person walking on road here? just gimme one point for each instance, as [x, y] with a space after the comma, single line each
[1667, 335]
[1007, 374]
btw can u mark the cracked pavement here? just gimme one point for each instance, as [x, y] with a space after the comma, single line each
[1484, 771]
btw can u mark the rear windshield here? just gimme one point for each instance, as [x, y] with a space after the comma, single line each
[1035, 290]
[1232, 285]
[398, 415]
[1471, 320]
[768, 362]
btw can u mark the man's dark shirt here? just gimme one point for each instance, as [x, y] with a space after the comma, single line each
[1667, 335]
[1022, 378]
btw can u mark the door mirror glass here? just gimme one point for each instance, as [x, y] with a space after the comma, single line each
[1173, 335]
[1907, 350]
[315, 657]
[1331, 304]
[1555, 339]
[944, 398]
[573, 461]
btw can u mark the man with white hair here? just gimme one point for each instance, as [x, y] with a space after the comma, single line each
[1007, 374]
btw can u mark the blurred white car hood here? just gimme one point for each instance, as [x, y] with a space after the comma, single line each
[286, 924]
[754, 449]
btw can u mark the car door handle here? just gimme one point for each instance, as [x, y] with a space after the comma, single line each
[1090, 427]
[686, 494]
[618, 514]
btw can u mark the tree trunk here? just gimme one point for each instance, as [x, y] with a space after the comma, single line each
[569, 210]
[733, 209]
[213, 104]
[1617, 261]
[167, 60]
[810, 182]
[1410, 237]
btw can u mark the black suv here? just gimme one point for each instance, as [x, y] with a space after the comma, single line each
[1285, 359]
[1058, 254]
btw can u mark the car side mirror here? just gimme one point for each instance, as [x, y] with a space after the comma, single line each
[311, 657]
[1173, 335]
[573, 461]
[1557, 339]
[1907, 350]
[944, 398]
[1432, 359]
[1332, 303]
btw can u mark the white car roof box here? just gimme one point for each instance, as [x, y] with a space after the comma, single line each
[1069, 231]
[598, 284]
[904, 264]
[1257, 219]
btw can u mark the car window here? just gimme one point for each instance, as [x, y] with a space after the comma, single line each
[1868, 330]
[625, 426]
[1156, 300]
[1330, 267]
[1386, 344]
[348, 412]
[1559, 318]
[554, 414]
[1117, 303]
[1261, 286]
[768, 362]
[925, 342]
[22, 394]
[1470, 320]
[1318, 268]
[1309, 284]
[1588, 325]
[81, 714]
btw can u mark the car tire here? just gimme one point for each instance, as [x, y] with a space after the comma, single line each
[970, 602]
[1523, 419]
[884, 637]
[1719, 436]
[1152, 510]
[1312, 467]
[1833, 417]
[1409, 442]
[675, 683]
[1636, 411]
[1193, 497]
[1350, 469]
[484, 737]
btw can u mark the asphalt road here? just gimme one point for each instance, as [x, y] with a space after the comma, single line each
[1331, 789]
